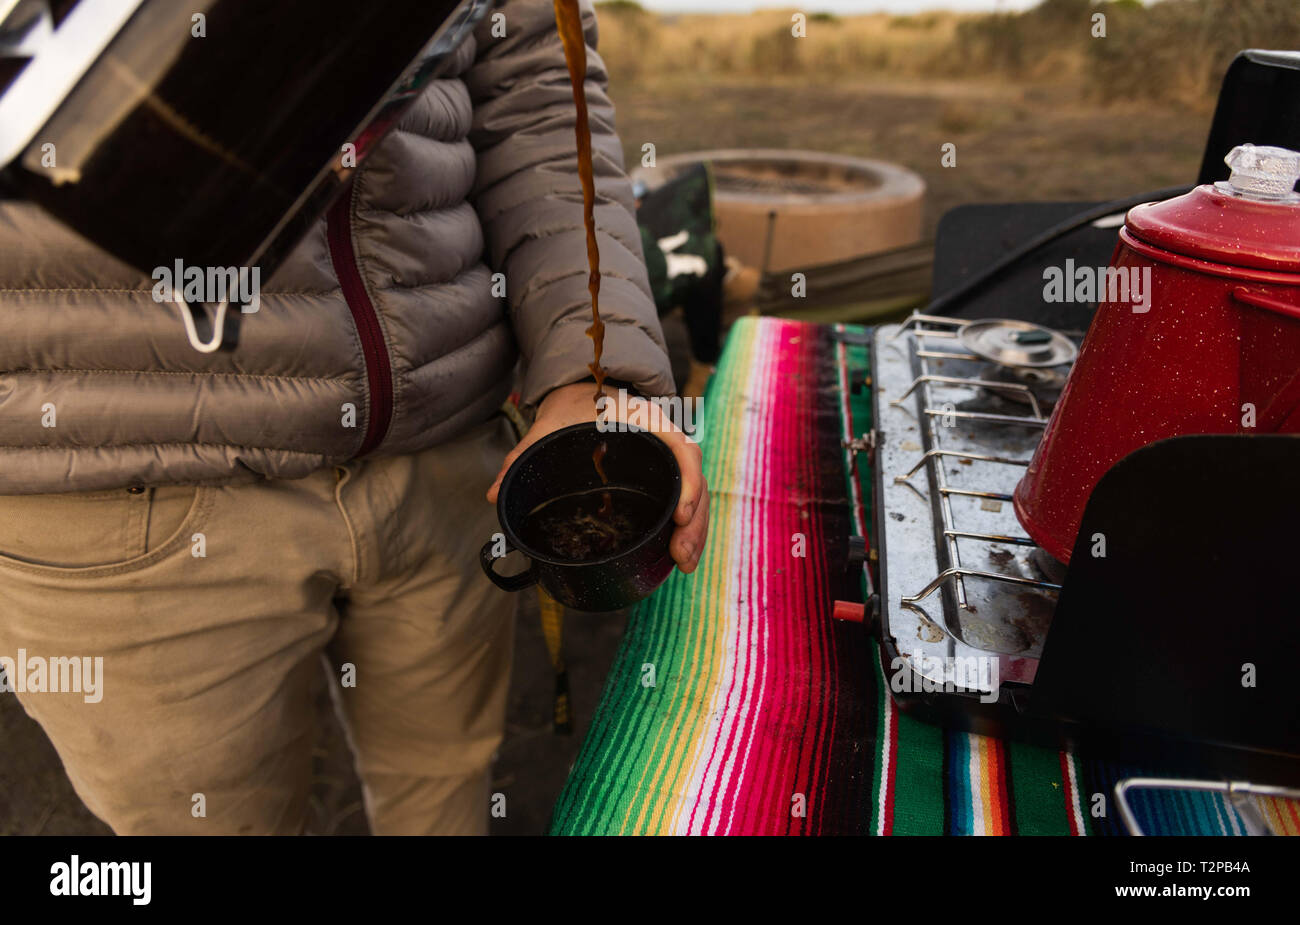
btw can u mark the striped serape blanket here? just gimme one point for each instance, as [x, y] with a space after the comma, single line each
[737, 705]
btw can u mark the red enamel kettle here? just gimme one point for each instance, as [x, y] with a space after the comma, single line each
[1197, 332]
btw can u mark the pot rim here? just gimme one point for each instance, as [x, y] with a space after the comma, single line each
[1208, 267]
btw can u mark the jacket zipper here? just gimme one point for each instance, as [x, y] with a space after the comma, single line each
[379, 370]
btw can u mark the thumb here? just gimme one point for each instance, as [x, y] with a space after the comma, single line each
[522, 445]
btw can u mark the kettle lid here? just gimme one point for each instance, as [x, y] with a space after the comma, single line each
[1250, 220]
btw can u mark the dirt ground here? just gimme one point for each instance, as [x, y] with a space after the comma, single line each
[1012, 144]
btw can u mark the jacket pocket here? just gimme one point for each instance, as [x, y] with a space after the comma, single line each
[97, 533]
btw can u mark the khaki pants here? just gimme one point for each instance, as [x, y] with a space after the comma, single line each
[211, 607]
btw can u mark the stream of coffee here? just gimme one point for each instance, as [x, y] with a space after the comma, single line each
[568, 20]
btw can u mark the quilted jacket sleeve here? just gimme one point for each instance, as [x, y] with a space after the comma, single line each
[530, 203]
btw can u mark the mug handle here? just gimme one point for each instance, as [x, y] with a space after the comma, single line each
[518, 582]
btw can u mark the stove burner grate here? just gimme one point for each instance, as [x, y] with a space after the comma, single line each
[955, 434]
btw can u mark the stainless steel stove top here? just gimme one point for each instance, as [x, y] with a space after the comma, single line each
[966, 596]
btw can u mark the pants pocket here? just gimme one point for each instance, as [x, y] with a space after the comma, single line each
[93, 531]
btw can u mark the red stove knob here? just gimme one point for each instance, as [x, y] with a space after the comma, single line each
[849, 611]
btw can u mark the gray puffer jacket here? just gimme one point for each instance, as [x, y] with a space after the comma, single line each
[100, 389]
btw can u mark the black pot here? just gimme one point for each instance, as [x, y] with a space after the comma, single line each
[559, 465]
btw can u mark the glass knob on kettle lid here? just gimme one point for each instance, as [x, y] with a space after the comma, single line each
[1263, 173]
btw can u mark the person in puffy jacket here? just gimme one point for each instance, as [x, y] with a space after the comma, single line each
[191, 533]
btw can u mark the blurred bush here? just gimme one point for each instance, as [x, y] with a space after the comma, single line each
[1179, 49]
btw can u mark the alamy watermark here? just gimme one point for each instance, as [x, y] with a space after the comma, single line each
[61, 674]
[920, 673]
[211, 285]
[623, 412]
[1098, 284]
[76, 877]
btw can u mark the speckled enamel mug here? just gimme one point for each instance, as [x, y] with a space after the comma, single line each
[560, 464]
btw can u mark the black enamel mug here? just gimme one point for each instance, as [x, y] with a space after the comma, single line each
[558, 473]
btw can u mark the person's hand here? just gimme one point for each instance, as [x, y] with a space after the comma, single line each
[574, 404]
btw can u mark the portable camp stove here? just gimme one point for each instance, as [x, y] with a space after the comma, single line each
[967, 597]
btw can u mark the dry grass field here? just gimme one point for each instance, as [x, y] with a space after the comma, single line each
[1038, 107]
[1169, 50]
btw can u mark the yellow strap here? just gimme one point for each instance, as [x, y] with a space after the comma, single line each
[552, 618]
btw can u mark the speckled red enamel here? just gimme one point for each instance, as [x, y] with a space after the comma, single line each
[1220, 337]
